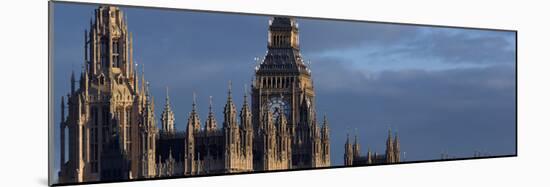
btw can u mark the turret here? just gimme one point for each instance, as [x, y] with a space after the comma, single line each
[324, 129]
[369, 156]
[231, 133]
[167, 117]
[193, 126]
[211, 124]
[348, 153]
[193, 122]
[246, 126]
[356, 148]
[73, 80]
[230, 111]
[389, 149]
[246, 115]
[283, 33]
[396, 149]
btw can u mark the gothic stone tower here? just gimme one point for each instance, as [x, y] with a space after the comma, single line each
[352, 153]
[283, 106]
[108, 108]
[237, 138]
[167, 117]
[213, 150]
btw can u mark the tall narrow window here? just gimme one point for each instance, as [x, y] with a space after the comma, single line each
[104, 53]
[105, 124]
[116, 48]
[66, 129]
[128, 130]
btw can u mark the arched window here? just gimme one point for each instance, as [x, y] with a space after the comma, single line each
[101, 79]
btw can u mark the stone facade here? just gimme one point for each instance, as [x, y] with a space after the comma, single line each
[111, 114]
[287, 134]
[110, 130]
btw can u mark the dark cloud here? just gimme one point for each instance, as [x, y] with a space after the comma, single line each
[458, 111]
[380, 41]
[465, 47]
[326, 35]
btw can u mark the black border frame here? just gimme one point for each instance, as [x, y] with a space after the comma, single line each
[51, 124]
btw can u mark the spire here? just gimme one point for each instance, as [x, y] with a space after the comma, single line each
[390, 151]
[396, 148]
[147, 90]
[347, 138]
[211, 121]
[389, 136]
[245, 95]
[356, 146]
[349, 152]
[230, 117]
[229, 106]
[246, 115]
[395, 137]
[355, 143]
[193, 122]
[143, 78]
[194, 103]
[167, 97]
[325, 121]
[210, 105]
[72, 82]
[229, 97]
[136, 79]
[167, 116]
[325, 134]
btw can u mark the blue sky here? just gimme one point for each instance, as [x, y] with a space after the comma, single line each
[442, 89]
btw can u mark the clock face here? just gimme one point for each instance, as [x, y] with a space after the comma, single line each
[278, 106]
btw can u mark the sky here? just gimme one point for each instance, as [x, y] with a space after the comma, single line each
[443, 90]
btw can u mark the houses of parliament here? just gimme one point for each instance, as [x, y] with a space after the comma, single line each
[109, 131]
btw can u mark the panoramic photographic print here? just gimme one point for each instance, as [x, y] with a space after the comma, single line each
[151, 93]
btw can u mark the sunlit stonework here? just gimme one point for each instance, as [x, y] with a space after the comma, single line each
[109, 129]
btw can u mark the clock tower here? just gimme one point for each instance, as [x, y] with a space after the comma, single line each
[283, 86]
